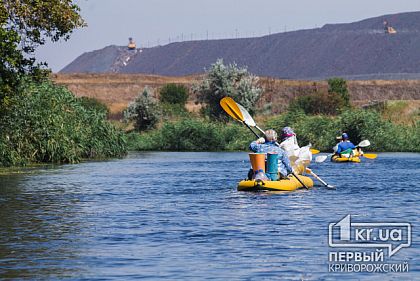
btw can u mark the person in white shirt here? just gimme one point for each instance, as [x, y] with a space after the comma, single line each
[299, 157]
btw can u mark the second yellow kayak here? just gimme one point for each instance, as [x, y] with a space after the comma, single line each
[355, 159]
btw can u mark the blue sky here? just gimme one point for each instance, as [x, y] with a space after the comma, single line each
[157, 22]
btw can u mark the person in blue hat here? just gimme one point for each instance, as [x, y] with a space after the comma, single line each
[268, 145]
[345, 146]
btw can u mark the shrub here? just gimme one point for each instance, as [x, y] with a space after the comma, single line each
[173, 111]
[221, 81]
[144, 111]
[339, 86]
[47, 123]
[321, 130]
[174, 94]
[319, 103]
[144, 141]
[318, 130]
[94, 104]
[193, 135]
[383, 134]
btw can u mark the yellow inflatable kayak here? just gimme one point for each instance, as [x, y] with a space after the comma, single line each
[289, 184]
[355, 159]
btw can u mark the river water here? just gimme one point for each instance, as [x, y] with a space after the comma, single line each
[179, 216]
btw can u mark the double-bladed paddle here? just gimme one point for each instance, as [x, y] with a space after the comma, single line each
[238, 112]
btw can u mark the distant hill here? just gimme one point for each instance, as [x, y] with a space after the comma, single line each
[359, 50]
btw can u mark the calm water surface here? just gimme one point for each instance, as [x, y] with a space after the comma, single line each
[178, 216]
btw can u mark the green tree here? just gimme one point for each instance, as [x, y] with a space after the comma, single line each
[144, 111]
[173, 94]
[25, 25]
[94, 104]
[339, 86]
[318, 103]
[227, 80]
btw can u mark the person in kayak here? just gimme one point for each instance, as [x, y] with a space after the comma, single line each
[289, 143]
[268, 145]
[299, 157]
[345, 146]
[338, 140]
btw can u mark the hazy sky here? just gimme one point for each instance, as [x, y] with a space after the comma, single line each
[157, 22]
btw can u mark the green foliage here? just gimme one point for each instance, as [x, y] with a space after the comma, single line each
[94, 104]
[319, 130]
[174, 111]
[47, 123]
[144, 111]
[145, 141]
[173, 94]
[360, 124]
[319, 103]
[192, 135]
[339, 86]
[221, 81]
[383, 134]
[24, 25]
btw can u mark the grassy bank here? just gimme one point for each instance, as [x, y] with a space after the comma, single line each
[192, 135]
[197, 134]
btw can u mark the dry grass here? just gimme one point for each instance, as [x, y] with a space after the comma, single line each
[117, 90]
[402, 112]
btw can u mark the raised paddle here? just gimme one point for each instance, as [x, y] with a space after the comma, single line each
[363, 143]
[233, 109]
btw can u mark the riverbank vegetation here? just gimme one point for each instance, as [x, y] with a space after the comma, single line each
[317, 118]
[41, 122]
[47, 123]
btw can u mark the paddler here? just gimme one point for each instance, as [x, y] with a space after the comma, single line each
[300, 157]
[289, 142]
[346, 147]
[268, 145]
[338, 139]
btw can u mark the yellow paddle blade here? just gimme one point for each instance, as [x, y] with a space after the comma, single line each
[370, 156]
[314, 151]
[231, 108]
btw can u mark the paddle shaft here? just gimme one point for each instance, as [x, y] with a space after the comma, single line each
[301, 182]
[251, 129]
[318, 178]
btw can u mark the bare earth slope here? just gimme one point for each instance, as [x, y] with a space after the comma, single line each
[359, 50]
